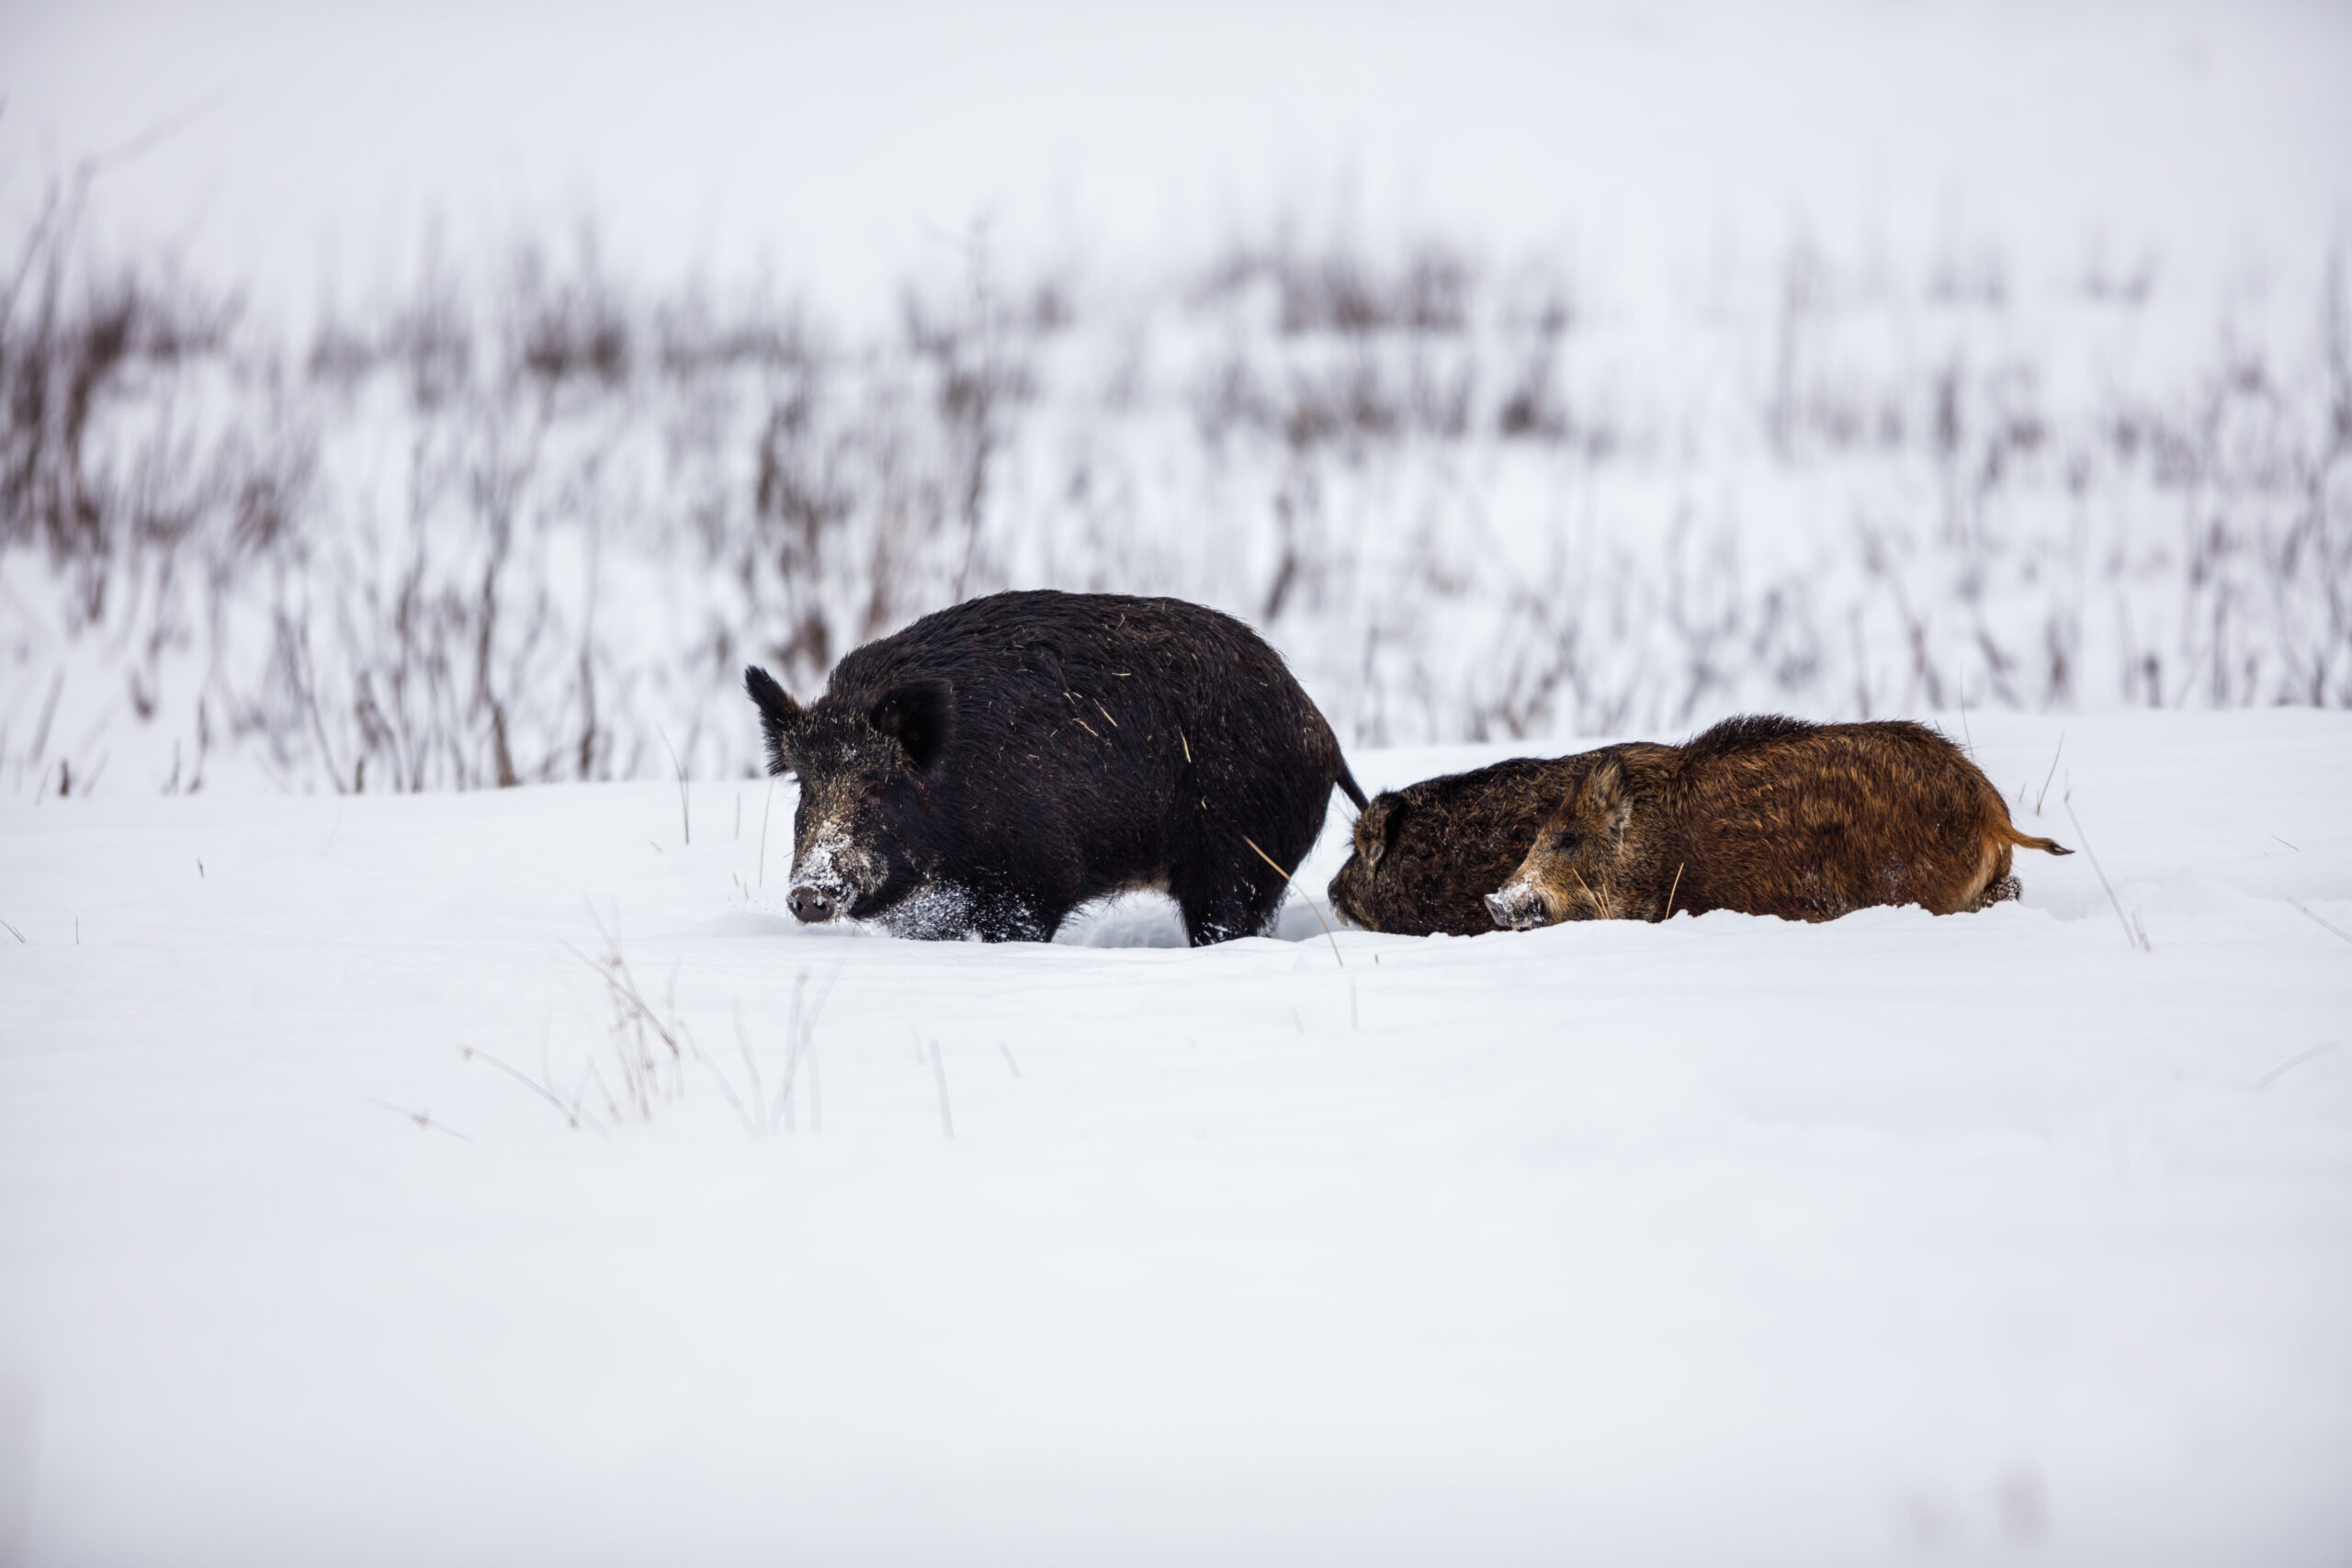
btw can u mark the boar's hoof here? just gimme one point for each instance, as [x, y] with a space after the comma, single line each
[811, 905]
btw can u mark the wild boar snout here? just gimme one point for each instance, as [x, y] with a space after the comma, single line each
[811, 906]
[1518, 908]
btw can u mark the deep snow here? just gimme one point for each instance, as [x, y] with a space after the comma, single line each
[1723, 1241]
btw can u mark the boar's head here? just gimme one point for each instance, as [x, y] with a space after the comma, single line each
[1375, 835]
[1577, 864]
[863, 838]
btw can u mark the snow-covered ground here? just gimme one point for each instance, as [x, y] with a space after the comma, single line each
[1992, 1238]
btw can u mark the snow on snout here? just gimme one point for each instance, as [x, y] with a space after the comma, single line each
[829, 862]
[1516, 905]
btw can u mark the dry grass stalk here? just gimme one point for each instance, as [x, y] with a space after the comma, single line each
[685, 823]
[423, 1119]
[2043, 793]
[2134, 933]
[939, 1073]
[766, 807]
[1310, 901]
[802, 1047]
[2297, 1060]
[573, 1111]
[2309, 914]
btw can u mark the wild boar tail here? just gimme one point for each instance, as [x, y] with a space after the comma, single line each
[2027, 841]
[1354, 792]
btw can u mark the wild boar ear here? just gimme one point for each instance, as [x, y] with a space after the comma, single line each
[779, 715]
[1608, 803]
[918, 715]
[1390, 821]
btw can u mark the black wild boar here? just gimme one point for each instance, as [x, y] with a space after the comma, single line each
[995, 765]
[1770, 816]
[1427, 855]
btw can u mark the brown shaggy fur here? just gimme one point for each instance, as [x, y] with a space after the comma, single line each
[1427, 855]
[1770, 816]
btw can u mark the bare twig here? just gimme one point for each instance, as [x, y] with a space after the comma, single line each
[14, 932]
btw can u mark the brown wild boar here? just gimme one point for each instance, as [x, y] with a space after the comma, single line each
[1427, 855]
[1772, 816]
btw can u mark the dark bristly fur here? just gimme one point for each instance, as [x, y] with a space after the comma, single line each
[1427, 855]
[995, 765]
[1772, 816]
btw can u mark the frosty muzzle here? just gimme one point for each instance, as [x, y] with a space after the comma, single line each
[832, 876]
[1519, 908]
